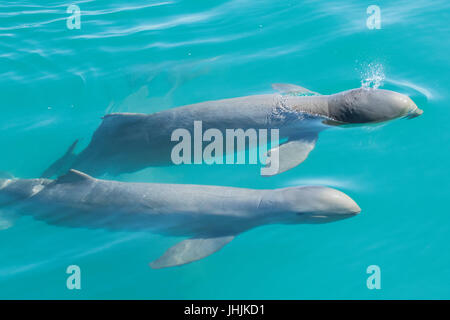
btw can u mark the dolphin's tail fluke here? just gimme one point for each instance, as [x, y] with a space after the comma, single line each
[63, 164]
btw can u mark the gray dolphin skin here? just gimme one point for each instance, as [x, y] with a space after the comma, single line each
[209, 216]
[127, 142]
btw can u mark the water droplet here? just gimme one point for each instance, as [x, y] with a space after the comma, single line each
[372, 76]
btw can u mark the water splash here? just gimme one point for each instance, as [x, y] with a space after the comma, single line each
[372, 75]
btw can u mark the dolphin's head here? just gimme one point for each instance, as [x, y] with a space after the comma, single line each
[366, 105]
[312, 204]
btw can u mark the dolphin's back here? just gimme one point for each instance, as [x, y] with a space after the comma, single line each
[127, 142]
[242, 112]
[163, 208]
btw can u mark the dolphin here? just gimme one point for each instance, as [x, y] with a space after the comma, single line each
[208, 216]
[128, 142]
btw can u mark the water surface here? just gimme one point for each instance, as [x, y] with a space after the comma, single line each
[147, 56]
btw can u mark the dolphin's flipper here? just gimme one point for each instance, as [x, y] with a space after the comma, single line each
[190, 250]
[292, 89]
[291, 153]
[61, 165]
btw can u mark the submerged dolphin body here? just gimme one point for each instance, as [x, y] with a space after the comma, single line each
[130, 142]
[211, 216]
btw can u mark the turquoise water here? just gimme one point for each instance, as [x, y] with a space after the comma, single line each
[148, 56]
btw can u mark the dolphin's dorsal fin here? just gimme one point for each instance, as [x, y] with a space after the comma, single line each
[74, 176]
[190, 250]
[291, 153]
[62, 164]
[292, 89]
